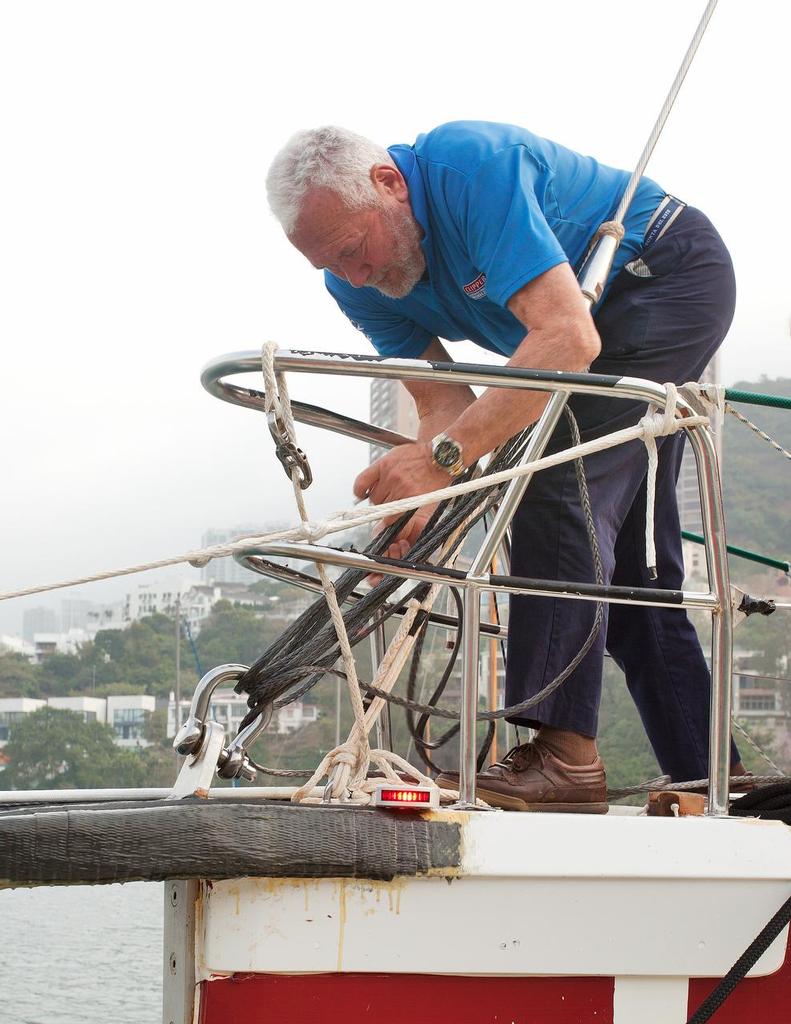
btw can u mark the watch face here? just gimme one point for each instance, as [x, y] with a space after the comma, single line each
[446, 454]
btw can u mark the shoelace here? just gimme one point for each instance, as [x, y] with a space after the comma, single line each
[518, 758]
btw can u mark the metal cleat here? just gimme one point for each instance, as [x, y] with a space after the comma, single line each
[197, 772]
[291, 457]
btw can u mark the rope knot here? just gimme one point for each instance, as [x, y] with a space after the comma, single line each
[612, 228]
[344, 755]
[312, 531]
[658, 423]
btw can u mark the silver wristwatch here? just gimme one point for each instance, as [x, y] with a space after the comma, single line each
[447, 454]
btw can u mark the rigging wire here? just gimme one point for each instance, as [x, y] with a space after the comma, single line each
[271, 680]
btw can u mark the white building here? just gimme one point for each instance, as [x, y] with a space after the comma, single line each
[92, 709]
[155, 598]
[45, 644]
[12, 709]
[295, 716]
[229, 708]
[125, 714]
[127, 717]
[193, 602]
[755, 696]
[392, 407]
[16, 645]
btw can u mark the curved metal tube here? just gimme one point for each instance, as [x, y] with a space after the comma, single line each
[233, 761]
[312, 415]
[501, 585]
[339, 364]
[190, 736]
[264, 567]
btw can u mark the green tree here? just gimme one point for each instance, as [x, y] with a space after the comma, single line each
[18, 678]
[756, 484]
[54, 749]
[60, 674]
[155, 728]
[233, 633]
[160, 760]
[622, 740]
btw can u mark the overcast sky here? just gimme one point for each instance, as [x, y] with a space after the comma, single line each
[135, 241]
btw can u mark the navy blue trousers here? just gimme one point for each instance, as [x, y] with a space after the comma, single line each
[662, 327]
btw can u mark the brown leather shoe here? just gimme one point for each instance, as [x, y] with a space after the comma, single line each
[531, 778]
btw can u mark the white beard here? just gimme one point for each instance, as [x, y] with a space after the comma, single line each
[408, 264]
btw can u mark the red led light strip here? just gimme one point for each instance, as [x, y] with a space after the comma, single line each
[405, 796]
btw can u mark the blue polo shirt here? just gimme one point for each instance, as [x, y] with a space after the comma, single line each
[498, 206]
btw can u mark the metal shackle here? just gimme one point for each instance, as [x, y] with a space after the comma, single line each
[189, 738]
[233, 761]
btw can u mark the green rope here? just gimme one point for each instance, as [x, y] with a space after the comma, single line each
[750, 556]
[756, 398]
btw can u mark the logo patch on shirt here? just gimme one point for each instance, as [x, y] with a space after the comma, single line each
[476, 289]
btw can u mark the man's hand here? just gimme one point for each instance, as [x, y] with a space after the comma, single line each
[404, 471]
[409, 469]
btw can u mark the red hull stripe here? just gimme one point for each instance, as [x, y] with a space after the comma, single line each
[754, 1000]
[400, 998]
[438, 999]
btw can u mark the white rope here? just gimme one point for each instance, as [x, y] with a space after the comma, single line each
[656, 424]
[351, 518]
[352, 758]
[346, 766]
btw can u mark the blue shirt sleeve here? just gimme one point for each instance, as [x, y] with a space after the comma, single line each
[501, 218]
[388, 330]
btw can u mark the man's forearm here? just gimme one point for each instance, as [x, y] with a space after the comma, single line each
[437, 416]
[562, 336]
[500, 413]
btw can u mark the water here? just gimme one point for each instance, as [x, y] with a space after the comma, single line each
[81, 954]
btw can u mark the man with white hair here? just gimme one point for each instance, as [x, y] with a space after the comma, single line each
[472, 233]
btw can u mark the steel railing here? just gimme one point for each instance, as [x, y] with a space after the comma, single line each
[478, 579]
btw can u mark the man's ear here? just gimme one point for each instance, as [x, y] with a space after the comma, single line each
[389, 182]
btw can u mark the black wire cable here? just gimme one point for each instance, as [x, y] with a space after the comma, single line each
[748, 959]
[417, 730]
[272, 678]
[311, 638]
[517, 710]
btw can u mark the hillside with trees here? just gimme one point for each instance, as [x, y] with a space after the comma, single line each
[756, 478]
